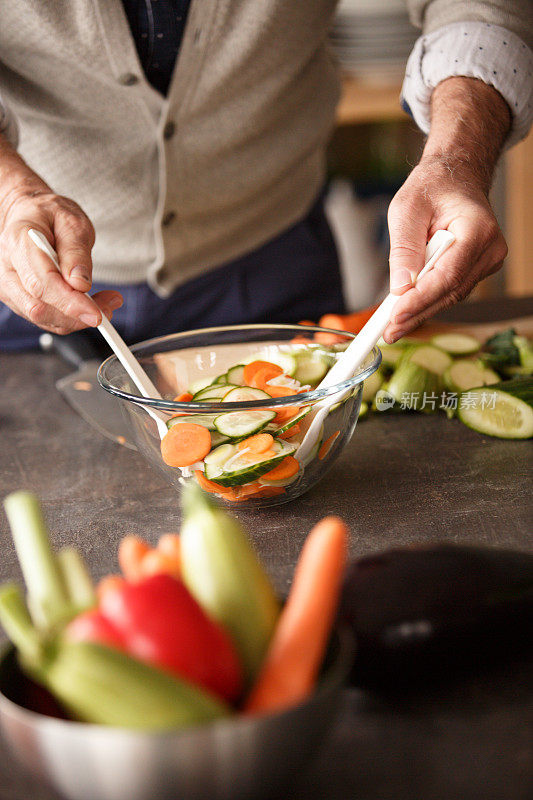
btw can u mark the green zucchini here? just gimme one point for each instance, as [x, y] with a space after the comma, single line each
[240, 424]
[205, 420]
[237, 469]
[457, 344]
[213, 392]
[464, 374]
[285, 427]
[235, 375]
[428, 357]
[504, 410]
[245, 394]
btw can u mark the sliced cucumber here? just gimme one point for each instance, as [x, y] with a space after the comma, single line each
[458, 344]
[218, 438]
[206, 420]
[371, 386]
[411, 385]
[236, 375]
[504, 410]
[221, 379]
[240, 424]
[238, 470]
[213, 392]
[285, 427]
[245, 394]
[197, 386]
[215, 460]
[429, 357]
[463, 375]
[391, 353]
[311, 367]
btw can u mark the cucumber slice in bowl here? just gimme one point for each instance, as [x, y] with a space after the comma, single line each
[206, 420]
[285, 427]
[215, 391]
[239, 468]
[244, 394]
[504, 409]
[240, 424]
[458, 344]
[235, 375]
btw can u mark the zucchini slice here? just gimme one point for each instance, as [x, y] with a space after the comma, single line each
[504, 410]
[215, 460]
[240, 469]
[311, 367]
[245, 394]
[240, 424]
[285, 427]
[206, 420]
[463, 375]
[458, 344]
[215, 391]
[235, 375]
[429, 357]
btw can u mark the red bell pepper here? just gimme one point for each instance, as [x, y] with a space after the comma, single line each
[158, 621]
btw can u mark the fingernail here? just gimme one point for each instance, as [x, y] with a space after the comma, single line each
[115, 302]
[401, 318]
[397, 335]
[89, 319]
[80, 272]
[400, 278]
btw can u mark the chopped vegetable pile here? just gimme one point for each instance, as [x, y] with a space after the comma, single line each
[242, 454]
[190, 632]
[489, 388]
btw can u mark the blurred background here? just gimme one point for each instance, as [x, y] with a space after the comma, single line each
[376, 144]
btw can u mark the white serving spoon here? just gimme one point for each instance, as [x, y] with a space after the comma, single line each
[361, 346]
[116, 342]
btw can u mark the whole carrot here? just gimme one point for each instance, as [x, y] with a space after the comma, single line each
[299, 641]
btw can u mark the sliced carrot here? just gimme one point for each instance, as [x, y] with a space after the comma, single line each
[251, 368]
[271, 491]
[257, 443]
[210, 486]
[306, 322]
[325, 447]
[284, 415]
[347, 322]
[131, 552]
[170, 545]
[184, 397]
[329, 338]
[252, 457]
[279, 391]
[300, 339]
[108, 583]
[290, 432]
[300, 638]
[155, 563]
[285, 469]
[185, 444]
[259, 379]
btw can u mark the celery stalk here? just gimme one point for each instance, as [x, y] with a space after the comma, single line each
[47, 596]
[77, 579]
[16, 622]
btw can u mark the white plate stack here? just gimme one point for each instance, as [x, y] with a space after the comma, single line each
[372, 39]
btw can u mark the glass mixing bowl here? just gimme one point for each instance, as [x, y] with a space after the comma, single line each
[204, 358]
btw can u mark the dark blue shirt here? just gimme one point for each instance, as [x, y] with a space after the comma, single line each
[157, 28]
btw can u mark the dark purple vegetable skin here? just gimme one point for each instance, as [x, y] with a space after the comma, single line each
[426, 615]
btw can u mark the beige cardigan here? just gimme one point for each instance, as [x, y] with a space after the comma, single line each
[175, 185]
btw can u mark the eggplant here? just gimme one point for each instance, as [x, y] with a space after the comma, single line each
[424, 615]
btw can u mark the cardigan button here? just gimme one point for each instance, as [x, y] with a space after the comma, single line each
[128, 79]
[169, 130]
[168, 218]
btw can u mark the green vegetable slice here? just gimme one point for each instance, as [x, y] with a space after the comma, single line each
[458, 344]
[245, 394]
[213, 391]
[206, 420]
[240, 424]
[504, 410]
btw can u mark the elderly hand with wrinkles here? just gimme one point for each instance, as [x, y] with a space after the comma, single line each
[29, 283]
[448, 189]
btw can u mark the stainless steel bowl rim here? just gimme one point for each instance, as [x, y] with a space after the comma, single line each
[305, 398]
[335, 675]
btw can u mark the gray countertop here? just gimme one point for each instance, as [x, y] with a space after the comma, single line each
[402, 480]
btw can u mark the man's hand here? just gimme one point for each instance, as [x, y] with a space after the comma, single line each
[29, 283]
[448, 190]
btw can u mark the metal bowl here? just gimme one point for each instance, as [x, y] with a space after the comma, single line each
[240, 757]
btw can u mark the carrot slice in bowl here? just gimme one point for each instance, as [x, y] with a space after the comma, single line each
[185, 444]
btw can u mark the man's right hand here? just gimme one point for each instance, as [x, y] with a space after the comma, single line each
[29, 282]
